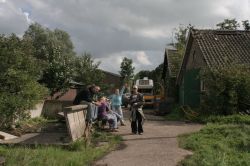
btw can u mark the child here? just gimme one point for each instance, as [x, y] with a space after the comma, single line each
[113, 118]
[102, 111]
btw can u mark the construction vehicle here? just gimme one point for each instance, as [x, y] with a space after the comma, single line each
[146, 87]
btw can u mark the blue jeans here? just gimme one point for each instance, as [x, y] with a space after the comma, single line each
[92, 111]
[118, 110]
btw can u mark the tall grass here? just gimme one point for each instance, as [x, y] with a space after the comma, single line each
[77, 154]
[224, 143]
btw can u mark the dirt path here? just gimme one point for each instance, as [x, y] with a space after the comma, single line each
[157, 146]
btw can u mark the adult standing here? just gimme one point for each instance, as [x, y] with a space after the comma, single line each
[137, 117]
[116, 102]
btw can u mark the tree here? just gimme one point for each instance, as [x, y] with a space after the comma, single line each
[157, 78]
[58, 74]
[19, 89]
[181, 37]
[127, 70]
[54, 50]
[86, 71]
[155, 75]
[143, 73]
[228, 24]
[246, 25]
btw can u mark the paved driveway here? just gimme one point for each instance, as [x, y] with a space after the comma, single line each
[157, 146]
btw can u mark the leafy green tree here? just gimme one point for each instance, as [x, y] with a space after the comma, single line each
[54, 49]
[39, 36]
[58, 74]
[86, 70]
[157, 78]
[181, 38]
[19, 89]
[228, 24]
[127, 70]
[155, 75]
[143, 73]
[246, 25]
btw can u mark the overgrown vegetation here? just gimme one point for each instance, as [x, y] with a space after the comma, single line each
[225, 142]
[78, 153]
[231, 119]
[227, 90]
[39, 64]
[19, 89]
[29, 126]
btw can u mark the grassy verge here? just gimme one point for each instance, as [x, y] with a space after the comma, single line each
[78, 152]
[224, 141]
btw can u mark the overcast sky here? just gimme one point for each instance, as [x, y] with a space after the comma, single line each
[113, 29]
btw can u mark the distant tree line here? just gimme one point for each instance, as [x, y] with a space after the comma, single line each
[233, 24]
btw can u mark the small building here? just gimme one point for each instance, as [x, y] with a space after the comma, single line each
[210, 49]
[112, 80]
[171, 66]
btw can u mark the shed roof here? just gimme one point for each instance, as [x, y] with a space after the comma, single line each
[220, 48]
[171, 64]
[174, 62]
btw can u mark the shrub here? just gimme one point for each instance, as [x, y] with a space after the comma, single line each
[233, 119]
[227, 89]
[19, 89]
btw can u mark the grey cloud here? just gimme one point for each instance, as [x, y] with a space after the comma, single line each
[12, 20]
[110, 27]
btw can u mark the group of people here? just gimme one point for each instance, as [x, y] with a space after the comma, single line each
[105, 110]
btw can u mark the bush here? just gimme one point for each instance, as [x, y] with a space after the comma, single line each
[19, 89]
[227, 89]
[230, 119]
[215, 144]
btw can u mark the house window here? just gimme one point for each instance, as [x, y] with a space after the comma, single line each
[203, 86]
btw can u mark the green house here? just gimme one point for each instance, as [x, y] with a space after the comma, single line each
[210, 49]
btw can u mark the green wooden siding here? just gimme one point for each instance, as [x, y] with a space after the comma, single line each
[181, 93]
[189, 91]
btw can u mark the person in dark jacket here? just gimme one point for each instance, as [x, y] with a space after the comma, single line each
[137, 117]
[87, 96]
